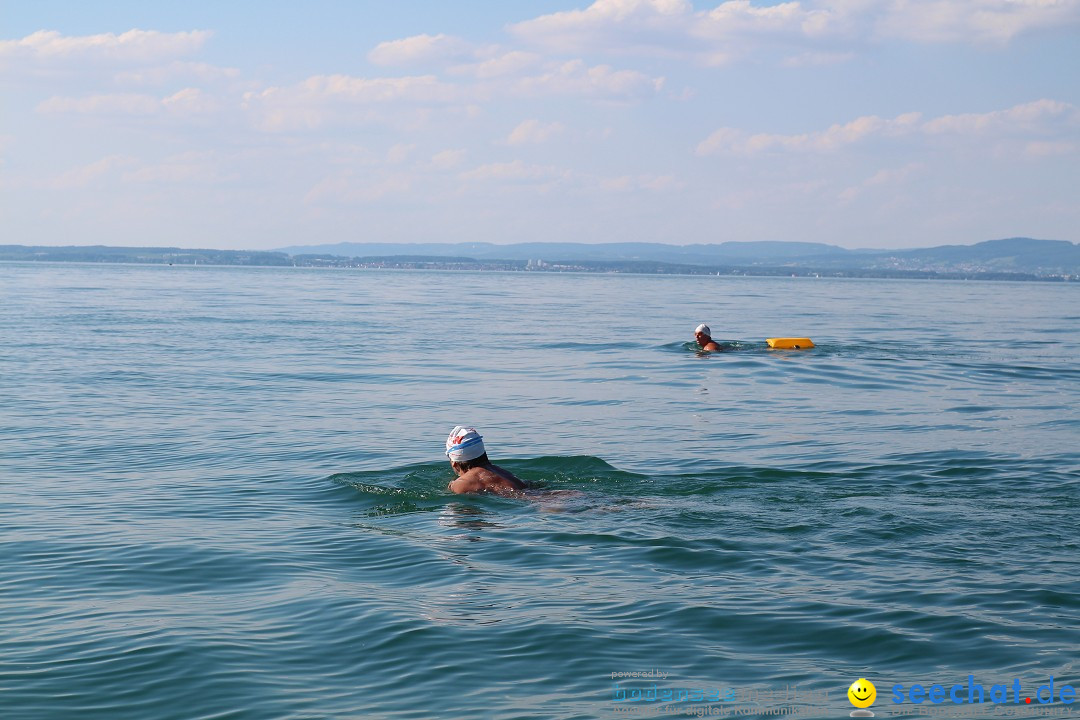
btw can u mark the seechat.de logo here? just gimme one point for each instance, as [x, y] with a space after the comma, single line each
[976, 694]
[862, 695]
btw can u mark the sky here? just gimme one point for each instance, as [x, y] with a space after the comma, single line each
[259, 125]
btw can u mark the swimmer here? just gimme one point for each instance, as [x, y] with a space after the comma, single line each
[476, 473]
[703, 335]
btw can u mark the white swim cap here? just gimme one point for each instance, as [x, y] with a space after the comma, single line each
[704, 329]
[464, 444]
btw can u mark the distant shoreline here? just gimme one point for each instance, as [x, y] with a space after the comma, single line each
[1015, 259]
[593, 268]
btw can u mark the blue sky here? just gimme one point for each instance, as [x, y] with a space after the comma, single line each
[860, 123]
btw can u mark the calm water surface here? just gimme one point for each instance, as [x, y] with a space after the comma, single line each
[222, 492]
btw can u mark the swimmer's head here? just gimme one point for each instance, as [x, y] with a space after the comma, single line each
[701, 330]
[464, 444]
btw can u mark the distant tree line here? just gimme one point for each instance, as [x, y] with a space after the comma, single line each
[181, 256]
[142, 255]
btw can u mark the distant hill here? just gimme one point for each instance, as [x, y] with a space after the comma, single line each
[1023, 254]
[635, 251]
[1008, 259]
[142, 255]
[1017, 255]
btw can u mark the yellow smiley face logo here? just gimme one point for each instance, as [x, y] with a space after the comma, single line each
[862, 693]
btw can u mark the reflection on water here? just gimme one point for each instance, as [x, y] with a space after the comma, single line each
[466, 517]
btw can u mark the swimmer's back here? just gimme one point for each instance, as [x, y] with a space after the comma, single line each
[491, 479]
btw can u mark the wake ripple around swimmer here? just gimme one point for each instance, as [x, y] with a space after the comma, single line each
[417, 488]
[423, 486]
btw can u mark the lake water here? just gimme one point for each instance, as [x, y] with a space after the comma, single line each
[222, 493]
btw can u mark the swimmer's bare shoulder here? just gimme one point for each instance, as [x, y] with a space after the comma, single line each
[493, 479]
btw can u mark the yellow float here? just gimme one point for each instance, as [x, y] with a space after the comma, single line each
[790, 343]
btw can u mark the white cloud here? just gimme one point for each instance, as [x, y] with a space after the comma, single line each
[884, 177]
[501, 64]
[447, 159]
[722, 140]
[633, 25]
[416, 88]
[191, 167]
[533, 132]
[133, 45]
[659, 183]
[604, 23]
[1020, 118]
[420, 49]
[121, 104]
[498, 70]
[324, 99]
[933, 21]
[574, 77]
[409, 100]
[735, 28]
[731, 140]
[84, 175]
[454, 55]
[177, 70]
[1043, 148]
[187, 102]
[889, 176]
[740, 17]
[399, 153]
[190, 101]
[674, 28]
[1040, 118]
